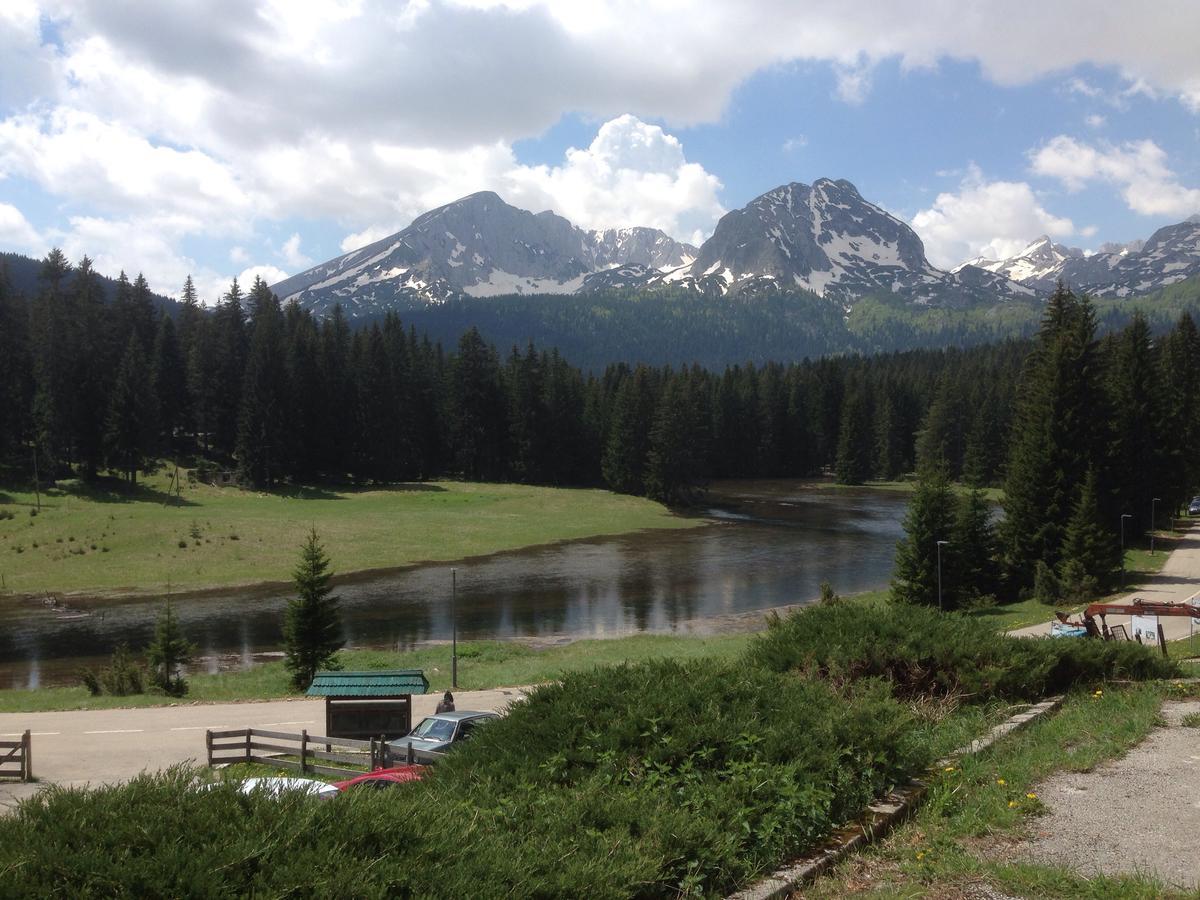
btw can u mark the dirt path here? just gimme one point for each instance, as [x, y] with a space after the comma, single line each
[1140, 813]
[106, 745]
[1178, 581]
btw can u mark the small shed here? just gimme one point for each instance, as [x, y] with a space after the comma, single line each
[365, 705]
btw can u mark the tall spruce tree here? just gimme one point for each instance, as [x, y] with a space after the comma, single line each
[628, 440]
[974, 567]
[132, 414]
[930, 518]
[675, 459]
[168, 653]
[477, 409]
[312, 626]
[1091, 559]
[1059, 413]
[855, 447]
[262, 419]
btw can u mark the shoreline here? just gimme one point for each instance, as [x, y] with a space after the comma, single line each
[258, 589]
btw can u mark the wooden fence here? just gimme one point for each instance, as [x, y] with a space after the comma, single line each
[16, 758]
[306, 752]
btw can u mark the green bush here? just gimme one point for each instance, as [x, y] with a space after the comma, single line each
[637, 781]
[922, 651]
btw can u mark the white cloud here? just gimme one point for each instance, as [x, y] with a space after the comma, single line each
[17, 233]
[292, 255]
[994, 219]
[1138, 168]
[792, 144]
[632, 173]
[853, 82]
[1096, 121]
[238, 255]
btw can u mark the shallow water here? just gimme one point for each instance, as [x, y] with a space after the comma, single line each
[769, 544]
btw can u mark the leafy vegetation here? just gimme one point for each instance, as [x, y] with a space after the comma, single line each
[657, 778]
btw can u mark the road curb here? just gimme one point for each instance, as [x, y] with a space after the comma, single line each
[880, 817]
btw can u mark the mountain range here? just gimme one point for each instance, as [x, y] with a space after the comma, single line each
[823, 238]
[1170, 255]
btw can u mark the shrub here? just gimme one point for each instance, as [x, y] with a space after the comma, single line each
[922, 651]
[121, 678]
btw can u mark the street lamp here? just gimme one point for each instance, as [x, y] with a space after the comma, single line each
[1124, 516]
[453, 628]
[939, 554]
[1152, 502]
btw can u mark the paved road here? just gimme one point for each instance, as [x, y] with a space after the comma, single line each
[1178, 582]
[109, 745]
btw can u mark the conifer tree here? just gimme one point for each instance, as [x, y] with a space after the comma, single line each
[627, 444]
[855, 446]
[930, 518]
[312, 627]
[1091, 560]
[1136, 420]
[168, 653]
[674, 462]
[262, 418]
[477, 409]
[170, 383]
[129, 438]
[972, 557]
[1055, 436]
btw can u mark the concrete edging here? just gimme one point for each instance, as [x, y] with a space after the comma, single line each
[880, 817]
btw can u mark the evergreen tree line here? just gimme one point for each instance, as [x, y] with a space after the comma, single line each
[87, 385]
[90, 385]
[1103, 446]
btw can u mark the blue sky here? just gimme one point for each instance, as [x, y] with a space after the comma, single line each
[222, 138]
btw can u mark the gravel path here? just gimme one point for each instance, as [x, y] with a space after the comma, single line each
[1140, 813]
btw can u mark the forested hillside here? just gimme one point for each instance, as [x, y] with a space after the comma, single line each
[91, 385]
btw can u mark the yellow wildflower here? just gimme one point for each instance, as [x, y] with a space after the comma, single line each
[1001, 782]
[1031, 796]
[1012, 803]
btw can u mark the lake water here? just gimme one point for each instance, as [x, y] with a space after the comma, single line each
[769, 544]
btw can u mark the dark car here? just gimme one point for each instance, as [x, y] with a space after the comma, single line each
[441, 731]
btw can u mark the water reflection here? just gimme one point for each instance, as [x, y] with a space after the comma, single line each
[772, 543]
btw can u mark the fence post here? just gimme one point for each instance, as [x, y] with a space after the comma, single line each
[249, 731]
[304, 750]
[27, 757]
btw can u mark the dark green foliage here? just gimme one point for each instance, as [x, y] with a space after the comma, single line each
[132, 413]
[930, 519]
[262, 419]
[675, 460]
[312, 627]
[923, 652]
[168, 653]
[477, 410]
[122, 677]
[1057, 434]
[973, 564]
[1091, 563]
[855, 462]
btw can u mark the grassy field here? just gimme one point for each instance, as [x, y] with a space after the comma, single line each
[994, 494]
[963, 835]
[100, 539]
[481, 664]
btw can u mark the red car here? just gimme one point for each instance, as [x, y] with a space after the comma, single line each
[383, 778]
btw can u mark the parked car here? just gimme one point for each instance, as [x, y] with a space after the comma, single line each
[1194, 507]
[442, 731]
[383, 778]
[276, 787]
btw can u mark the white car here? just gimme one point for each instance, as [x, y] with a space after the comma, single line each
[1194, 507]
[276, 787]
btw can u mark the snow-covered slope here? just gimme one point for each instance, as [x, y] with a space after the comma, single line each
[479, 246]
[1118, 270]
[1038, 261]
[824, 238]
[827, 239]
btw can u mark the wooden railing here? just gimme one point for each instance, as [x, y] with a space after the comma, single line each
[306, 752]
[16, 758]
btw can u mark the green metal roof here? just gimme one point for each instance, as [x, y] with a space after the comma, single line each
[375, 683]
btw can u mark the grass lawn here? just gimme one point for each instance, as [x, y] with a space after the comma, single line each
[964, 834]
[98, 538]
[481, 664]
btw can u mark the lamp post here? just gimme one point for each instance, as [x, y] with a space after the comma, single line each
[453, 628]
[939, 555]
[1124, 516]
[1152, 502]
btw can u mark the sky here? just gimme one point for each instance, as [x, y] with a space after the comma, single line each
[234, 138]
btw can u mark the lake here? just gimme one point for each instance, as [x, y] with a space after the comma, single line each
[768, 544]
